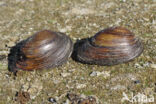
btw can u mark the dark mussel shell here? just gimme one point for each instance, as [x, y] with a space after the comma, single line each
[45, 49]
[110, 46]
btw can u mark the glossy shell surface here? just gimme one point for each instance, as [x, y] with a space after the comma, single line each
[110, 46]
[43, 50]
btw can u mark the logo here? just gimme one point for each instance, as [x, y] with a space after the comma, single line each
[139, 98]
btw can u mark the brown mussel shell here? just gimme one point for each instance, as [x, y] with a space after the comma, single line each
[110, 46]
[45, 49]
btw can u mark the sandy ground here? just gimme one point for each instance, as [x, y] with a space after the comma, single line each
[79, 19]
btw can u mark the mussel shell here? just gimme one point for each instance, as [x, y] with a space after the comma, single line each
[111, 46]
[44, 50]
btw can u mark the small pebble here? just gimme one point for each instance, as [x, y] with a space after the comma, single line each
[52, 100]
[147, 64]
[2, 4]
[94, 73]
[82, 11]
[136, 81]
[81, 99]
[154, 40]
[105, 74]
[63, 30]
[65, 74]
[79, 86]
[138, 65]
[118, 87]
[153, 66]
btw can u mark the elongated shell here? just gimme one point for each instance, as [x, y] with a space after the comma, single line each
[43, 50]
[110, 46]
